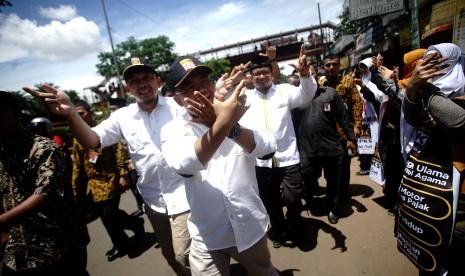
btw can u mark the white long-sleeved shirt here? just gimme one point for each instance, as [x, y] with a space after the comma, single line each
[271, 111]
[226, 209]
[159, 185]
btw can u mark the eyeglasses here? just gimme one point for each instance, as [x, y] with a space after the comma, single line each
[144, 80]
[261, 72]
[203, 84]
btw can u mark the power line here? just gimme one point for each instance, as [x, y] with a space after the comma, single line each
[154, 20]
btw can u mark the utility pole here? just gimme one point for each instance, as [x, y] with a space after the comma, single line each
[321, 33]
[120, 84]
[415, 28]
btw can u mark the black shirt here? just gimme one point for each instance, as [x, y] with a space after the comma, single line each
[315, 124]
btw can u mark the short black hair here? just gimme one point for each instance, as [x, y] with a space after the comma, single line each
[259, 62]
[84, 105]
[9, 102]
[332, 56]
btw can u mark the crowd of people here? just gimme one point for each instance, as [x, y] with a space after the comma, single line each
[246, 144]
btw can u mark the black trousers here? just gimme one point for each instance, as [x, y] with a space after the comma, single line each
[278, 187]
[115, 221]
[344, 176]
[365, 161]
[133, 184]
[312, 168]
[393, 172]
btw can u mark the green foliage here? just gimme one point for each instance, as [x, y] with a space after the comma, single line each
[33, 107]
[282, 77]
[219, 66]
[347, 26]
[73, 95]
[5, 3]
[130, 99]
[30, 106]
[102, 114]
[157, 51]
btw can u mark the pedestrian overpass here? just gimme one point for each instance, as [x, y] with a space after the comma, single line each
[316, 39]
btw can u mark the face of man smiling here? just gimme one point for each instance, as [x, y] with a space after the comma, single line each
[143, 85]
[196, 81]
[262, 78]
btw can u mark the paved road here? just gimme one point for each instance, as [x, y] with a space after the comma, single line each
[361, 243]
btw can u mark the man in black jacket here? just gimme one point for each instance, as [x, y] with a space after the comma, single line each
[320, 146]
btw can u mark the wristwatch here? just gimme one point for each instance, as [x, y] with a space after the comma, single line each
[235, 131]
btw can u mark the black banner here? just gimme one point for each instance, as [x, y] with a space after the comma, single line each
[425, 206]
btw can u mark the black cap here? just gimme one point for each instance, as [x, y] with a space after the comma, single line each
[184, 66]
[136, 63]
[259, 62]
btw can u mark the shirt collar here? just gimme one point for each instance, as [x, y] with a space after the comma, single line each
[160, 101]
[270, 90]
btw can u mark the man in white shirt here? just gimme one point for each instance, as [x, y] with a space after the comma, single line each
[216, 155]
[270, 107]
[139, 124]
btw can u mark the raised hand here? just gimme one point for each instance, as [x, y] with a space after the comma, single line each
[302, 67]
[385, 72]
[226, 84]
[380, 62]
[429, 67]
[56, 101]
[377, 60]
[222, 86]
[201, 109]
[270, 52]
[395, 76]
[231, 110]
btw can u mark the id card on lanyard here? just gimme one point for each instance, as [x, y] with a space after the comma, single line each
[93, 156]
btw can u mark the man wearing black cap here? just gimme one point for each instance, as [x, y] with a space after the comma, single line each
[139, 124]
[216, 155]
[270, 107]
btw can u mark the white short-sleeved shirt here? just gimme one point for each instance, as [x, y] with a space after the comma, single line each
[160, 186]
[226, 209]
[271, 111]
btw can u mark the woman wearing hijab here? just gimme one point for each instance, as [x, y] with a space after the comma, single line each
[428, 195]
[371, 97]
[388, 164]
[410, 61]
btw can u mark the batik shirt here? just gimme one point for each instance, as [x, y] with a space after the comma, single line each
[346, 88]
[33, 166]
[97, 172]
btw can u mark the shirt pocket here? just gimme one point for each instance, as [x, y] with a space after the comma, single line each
[136, 139]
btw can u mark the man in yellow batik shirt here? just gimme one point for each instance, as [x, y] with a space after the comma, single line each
[101, 173]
